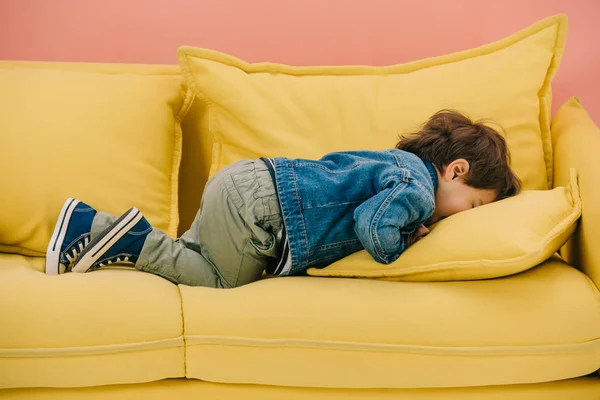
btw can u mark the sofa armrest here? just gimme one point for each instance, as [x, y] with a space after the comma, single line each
[576, 144]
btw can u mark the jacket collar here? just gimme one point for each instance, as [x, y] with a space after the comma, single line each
[432, 174]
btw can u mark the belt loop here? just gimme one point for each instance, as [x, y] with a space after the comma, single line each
[405, 175]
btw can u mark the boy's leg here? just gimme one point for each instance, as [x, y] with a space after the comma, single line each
[231, 240]
[101, 221]
[163, 256]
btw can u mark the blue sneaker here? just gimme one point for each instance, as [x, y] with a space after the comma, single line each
[71, 235]
[121, 242]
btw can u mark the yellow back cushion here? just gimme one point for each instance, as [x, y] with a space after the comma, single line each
[498, 239]
[107, 134]
[268, 109]
[195, 165]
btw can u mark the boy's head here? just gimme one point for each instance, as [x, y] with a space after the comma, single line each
[472, 162]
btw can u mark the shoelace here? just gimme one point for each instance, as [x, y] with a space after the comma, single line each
[76, 251]
[117, 260]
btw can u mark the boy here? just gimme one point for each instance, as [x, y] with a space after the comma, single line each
[286, 215]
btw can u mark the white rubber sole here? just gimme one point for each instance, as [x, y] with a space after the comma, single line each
[58, 236]
[105, 240]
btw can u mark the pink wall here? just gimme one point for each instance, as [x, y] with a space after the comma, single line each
[295, 31]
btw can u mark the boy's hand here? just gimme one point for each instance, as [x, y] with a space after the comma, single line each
[421, 232]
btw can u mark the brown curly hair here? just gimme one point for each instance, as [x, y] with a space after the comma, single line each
[449, 135]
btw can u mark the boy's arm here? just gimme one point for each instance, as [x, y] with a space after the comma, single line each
[379, 219]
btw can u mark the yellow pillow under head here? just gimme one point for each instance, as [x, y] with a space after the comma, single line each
[108, 135]
[498, 239]
[268, 109]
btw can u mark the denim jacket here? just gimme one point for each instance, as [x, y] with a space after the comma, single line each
[347, 201]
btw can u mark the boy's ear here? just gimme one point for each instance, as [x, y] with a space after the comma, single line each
[458, 168]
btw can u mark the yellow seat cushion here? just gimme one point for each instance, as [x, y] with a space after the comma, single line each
[268, 109]
[490, 241]
[541, 325]
[108, 135]
[74, 330]
[584, 388]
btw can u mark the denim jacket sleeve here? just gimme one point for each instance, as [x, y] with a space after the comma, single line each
[379, 220]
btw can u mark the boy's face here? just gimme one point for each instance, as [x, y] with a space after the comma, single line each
[453, 195]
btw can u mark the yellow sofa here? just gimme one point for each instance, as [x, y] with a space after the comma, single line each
[530, 335]
[125, 334]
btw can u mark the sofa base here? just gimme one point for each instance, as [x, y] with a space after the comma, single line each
[583, 388]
